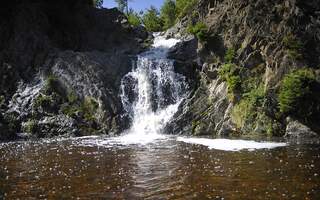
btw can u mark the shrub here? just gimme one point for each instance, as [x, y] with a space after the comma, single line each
[200, 30]
[256, 96]
[293, 45]
[227, 70]
[31, 126]
[51, 84]
[89, 108]
[247, 109]
[230, 55]
[234, 83]
[133, 18]
[296, 89]
[42, 101]
[231, 74]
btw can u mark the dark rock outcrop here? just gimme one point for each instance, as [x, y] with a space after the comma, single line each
[64, 58]
[261, 42]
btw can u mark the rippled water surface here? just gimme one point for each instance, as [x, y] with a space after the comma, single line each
[98, 168]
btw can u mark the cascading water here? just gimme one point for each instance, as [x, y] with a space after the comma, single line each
[152, 92]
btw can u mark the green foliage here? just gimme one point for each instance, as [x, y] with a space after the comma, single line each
[256, 96]
[234, 83]
[2, 100]
[42, 101]
[227, 70]
[200, 30]
[98, 3]
[51, 84]
[168, 13]
[72, 98]
[230, 55]
[151, 20]
[231, 74]
[295, 89]
[185, 6]
[87, 109]
[133, 18]
[293, 45]
[247, 109]
[31, 126]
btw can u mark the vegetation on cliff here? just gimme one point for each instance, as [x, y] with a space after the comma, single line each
[253, 67]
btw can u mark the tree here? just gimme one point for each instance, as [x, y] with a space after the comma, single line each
[133, 18]
[123, 5]
[168, 13]
[98, 3]
[151, 20]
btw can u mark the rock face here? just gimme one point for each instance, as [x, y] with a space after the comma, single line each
[61, 64]
[297, 130]
[250, 47]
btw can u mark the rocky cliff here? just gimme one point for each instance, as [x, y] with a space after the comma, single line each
[61, 65]
[256, 65]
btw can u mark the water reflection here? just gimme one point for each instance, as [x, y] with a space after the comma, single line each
[167, 169]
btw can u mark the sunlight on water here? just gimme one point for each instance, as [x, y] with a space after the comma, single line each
[231, 145]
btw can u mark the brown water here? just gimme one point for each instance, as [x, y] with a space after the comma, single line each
[168, 169]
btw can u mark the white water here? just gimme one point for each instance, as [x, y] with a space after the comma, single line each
[151, 93]
[231, 145]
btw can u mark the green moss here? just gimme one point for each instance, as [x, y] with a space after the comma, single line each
[2, 100]
[42, 101]
[51, 84]
[31, 126]
[242, 112]
[87, 109]
[293, 46]
[72, 98]
[256, 95]
[234, 83]
[227, 70]
[200, 30]
[295, 90]
[230, 55]
[195, 124]
[249, 107]
[231, 74]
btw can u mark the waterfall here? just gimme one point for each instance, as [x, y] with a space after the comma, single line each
[152, 92]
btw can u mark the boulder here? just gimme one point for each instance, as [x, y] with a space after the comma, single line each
[297, 130]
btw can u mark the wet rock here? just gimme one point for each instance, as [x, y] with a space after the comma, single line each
[88, 50]
[184, 51]
[50, 126]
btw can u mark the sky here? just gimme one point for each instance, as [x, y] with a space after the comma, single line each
[137, 5]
